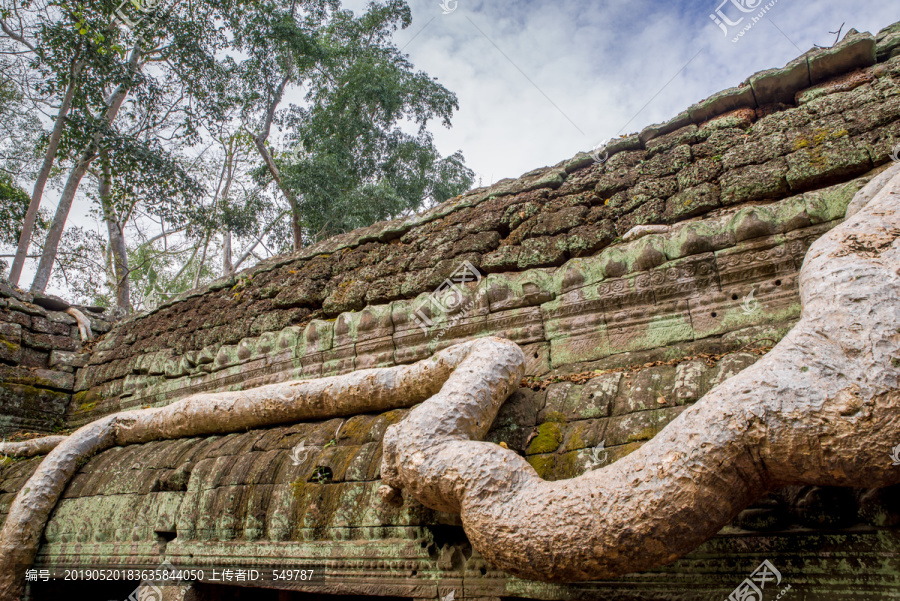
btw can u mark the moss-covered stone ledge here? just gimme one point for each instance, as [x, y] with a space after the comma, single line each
[688, 284]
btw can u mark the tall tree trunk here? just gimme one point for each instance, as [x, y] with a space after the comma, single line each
[260, 141]
[116, 237]
[45, 267]
[227, 267]
[200, 264]
[15, 271]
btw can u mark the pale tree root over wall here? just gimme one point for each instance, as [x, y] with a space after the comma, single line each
[492, 364]
[822, 408]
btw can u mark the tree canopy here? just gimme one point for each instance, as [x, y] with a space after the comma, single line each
[207, 135]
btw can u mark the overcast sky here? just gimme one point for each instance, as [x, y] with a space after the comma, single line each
[538, 82]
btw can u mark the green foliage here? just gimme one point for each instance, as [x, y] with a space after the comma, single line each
[144, 172]
[206, 74]
[13, 204]
[351, 163]
[20, 133]
[81, 267]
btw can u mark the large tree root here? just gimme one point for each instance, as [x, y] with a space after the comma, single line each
[492, 365]
[821, 408]
[30, 448]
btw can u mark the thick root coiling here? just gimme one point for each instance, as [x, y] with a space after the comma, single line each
[367, 391]
[822, 408]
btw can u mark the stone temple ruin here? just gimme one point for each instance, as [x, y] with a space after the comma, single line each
[620, 333]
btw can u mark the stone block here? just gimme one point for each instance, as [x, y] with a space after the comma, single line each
[594, 399]
[15, 317]
[649, 327]
[652, 131]
[756, 150]
[855, 51]
[824, 158]
[38, 405]
[25, 307]
[46, 326]
[543, 252]
[888, 45]
[688, 381]
[666, 163]
[521, 409]
[772, 302]
[48, 342]
[624, 144]
[32, 357]
[586, 240]
[533, 180]
[680, 137]
[754, 183]
[639, 426]
[646, 390]
[686, 277]
[518, 290]
[549, 436]
[576, 328]
[727, 367]
[844, 83]
[523, 326]
[781, 85]
[10, 342]
[721, 103]
[505, 258]
[537, 358]
[584, 434]
[693, 201]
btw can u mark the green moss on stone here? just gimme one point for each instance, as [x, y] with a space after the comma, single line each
[548, 439]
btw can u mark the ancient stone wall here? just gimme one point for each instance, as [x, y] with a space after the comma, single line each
[350, 302]
[39, 352]
[620, 336]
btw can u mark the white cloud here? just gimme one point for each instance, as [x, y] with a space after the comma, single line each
[600, 63]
